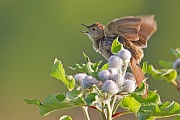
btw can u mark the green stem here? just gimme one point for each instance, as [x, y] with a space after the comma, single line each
[124, 69]
[113, 101]
[103, 116]
[104, 113]
[109, 110]
[116, 106]
[176, 83]
[85, 110]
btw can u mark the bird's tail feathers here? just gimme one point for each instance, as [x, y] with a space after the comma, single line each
[138, 74]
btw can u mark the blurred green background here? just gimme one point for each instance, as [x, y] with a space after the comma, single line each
[34, 32]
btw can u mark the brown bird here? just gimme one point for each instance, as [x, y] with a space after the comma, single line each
[133, 32]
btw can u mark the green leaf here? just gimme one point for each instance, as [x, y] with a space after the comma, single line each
[35, 101]
[65, 117]
[58, 102]
[79, 67]
[166, 109]
[176, 52]
[92, 68]
[147, 104]
[144, 67]
[95, 75]
[130, 103]
[173, 51]
[142, 107]
[116, 46]
[73, 94]
[86, 57]
[165, 64]
[152, 97]
[150, 107]
[88, 68]
[96, 65]
[58, 72]
[141, 90]
[105, 67]
[90, 98]
[168, 75]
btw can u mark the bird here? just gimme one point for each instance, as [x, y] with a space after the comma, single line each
[133, 32]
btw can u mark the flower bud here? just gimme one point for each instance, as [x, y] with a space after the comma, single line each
[115, 61]
[129, 86]
[176, 66]
[104, 75]
[129, 76]
[110, 87]
[113, 71]
[119, 79]
[125, 55]
[79, 77]
[87, 82]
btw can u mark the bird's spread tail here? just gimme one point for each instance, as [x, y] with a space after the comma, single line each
[138, 74]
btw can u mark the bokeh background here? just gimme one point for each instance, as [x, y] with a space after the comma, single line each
[34, 32]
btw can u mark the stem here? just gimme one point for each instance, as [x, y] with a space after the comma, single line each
[125, 68]
[116, 106]
[96, 108]
[104, 113]
[103, 116]
[85, 110]
[100, 111]
[96, 89]
[121, 113]
[113, 101]
[109, 110]
[177, 84]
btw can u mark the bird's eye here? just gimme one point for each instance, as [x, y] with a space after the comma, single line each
[93, 29]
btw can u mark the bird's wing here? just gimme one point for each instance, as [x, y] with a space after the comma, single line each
[137, 29]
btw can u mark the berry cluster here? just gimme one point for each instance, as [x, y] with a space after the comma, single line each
[113, 80]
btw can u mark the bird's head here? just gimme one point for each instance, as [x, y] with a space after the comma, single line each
[95, 31]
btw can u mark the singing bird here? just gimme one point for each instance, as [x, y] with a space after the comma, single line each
[132, 31]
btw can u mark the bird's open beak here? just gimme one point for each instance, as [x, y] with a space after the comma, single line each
[83, 31]
[86, 27]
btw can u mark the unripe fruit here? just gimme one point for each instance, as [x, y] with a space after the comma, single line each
[115, 61]
[104, 75]
[113, 71]
[129, 86]
[129, 76]
[118, 79]
[87, 82]
[125, 55]
[79, 77]
[176, 66]
[110, 87]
